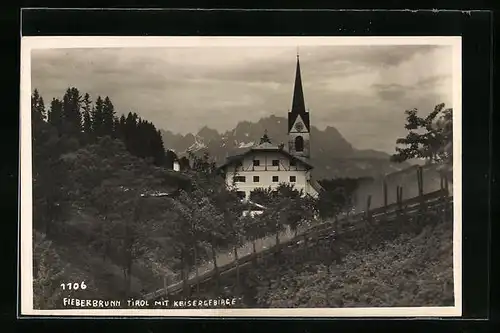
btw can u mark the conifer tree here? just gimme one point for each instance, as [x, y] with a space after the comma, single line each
[170, 157]
[72, 117]
[37, 105]
[97, 117]
[87, 109]
[108, 116]
[120, 128]
[130, 133]
[55, 114]
[116, 127]
[159, 149]
[34, 99]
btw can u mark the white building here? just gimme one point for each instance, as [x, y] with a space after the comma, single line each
[176, 166]
[268, 165]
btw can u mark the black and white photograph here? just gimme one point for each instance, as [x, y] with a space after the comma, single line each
[241, 176]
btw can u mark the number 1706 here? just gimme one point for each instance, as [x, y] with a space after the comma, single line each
[73, 286]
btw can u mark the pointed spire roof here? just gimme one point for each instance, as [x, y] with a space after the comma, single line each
[298, 102]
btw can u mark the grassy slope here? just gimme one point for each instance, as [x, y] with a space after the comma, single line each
[104, 277]
[413, 269]
[408, 268]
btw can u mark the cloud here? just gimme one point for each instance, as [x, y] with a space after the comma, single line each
[361, 90]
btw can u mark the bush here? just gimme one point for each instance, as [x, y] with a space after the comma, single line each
[48, 272]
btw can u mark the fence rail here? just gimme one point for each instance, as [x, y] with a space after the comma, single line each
[206, 271]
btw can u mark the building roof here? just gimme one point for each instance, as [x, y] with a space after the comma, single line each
[266, 146]
[315, 185]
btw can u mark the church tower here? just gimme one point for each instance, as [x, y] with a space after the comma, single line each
[298, 121]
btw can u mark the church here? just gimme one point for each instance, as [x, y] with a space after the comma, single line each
[268, 164]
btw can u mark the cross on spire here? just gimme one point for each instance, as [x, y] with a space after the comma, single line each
[265, 138]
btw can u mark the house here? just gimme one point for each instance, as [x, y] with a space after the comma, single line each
[173, 162]
[267, 165]
[176, 165]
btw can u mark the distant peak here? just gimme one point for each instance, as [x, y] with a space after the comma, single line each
[206, 128]
[206, 131]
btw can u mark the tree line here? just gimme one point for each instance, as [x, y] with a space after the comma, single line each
[76, 115]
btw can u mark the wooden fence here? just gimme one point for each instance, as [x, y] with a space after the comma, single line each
[250, 251]
[412, 182]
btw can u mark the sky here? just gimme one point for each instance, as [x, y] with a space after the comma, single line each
[361, 90]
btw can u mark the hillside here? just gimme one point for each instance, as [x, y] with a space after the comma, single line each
[332, 155]
[105, 235]
[413, 269]
[396, 264]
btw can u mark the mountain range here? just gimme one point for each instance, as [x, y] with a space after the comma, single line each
[331, 154]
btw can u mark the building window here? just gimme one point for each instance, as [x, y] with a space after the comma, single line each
[255, 179]
[256, 162]
[276, 179]
[241, 194]
[299, 143]
[293, 163]
[276, 162]
[239, 179]
[293, 179]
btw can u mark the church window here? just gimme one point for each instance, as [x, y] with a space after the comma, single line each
[299, 127]
[293, 163]
[299, 143]
[256, 162]
[256, 179]
[276, 179]
[276, 162]
[293, 179]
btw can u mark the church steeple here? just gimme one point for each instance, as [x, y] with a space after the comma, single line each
[298, 102]
[298, 120]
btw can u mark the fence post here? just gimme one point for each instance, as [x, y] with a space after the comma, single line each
[385, 192]
[368, 204]
[336, 223]
[420, 182]
[399, 200]
[165, 283]
[196, 270]
[306, 245]
[446, 185]
[445, 198]
[254, 253]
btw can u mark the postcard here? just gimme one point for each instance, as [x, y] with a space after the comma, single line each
[240, 176]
